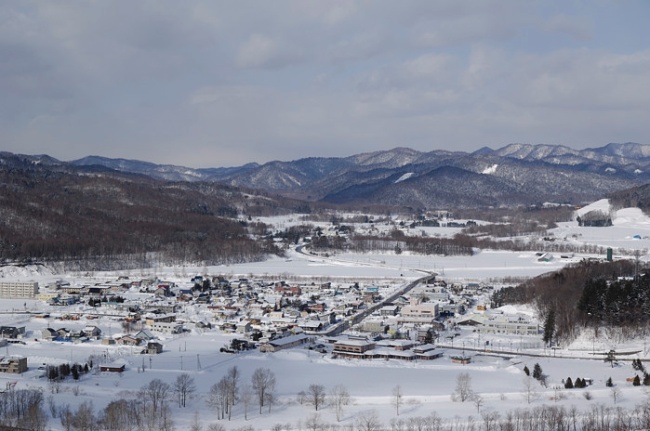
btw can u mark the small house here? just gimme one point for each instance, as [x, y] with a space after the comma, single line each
[13, 365]
[154, 348]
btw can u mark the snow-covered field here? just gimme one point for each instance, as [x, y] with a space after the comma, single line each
[427, 386]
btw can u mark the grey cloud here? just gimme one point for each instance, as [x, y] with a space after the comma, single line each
[220, 83]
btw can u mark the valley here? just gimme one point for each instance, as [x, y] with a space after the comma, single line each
[198, 342]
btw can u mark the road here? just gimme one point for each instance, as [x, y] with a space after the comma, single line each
[357, 318]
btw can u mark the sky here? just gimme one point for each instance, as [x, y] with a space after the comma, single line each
[222, 83]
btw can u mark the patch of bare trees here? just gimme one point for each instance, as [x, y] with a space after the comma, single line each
[339, 398]
[225, 393]
[463, 391]
[184, 387]
[23, 408]
[316, 395]
[263, 384]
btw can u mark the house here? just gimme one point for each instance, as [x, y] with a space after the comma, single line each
[128, 340]
[316, 308]
[417, 308]
[63, 334]
[97, 291]
[13, 365]
[310, 325]
[12, 331]
[92, 331]
[145, 335]
[113, 368]
[243, 327]
[373, 325]
[388, 310]
[427, 352]
[64, 300]
[153, 348]
[352, 348]
[163, 291]
[161, 318]
[48, 334]
[167, 328]
[284, 343]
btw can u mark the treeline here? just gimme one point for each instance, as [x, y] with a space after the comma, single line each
[105, 219]
[563, 298]
[149, 409]
[369, 243]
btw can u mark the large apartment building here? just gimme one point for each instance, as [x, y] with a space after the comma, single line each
[20, 290]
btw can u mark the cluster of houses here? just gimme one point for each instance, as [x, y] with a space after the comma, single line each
[277, 314]
[89, 332]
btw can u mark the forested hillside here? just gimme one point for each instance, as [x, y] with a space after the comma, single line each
[99, 218]
[582, 295]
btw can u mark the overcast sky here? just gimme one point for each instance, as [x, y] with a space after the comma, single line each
[222, 83]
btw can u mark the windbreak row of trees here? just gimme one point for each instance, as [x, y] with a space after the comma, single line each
[24, 409]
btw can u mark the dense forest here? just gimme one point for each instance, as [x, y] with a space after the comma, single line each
[95, 218]
[588, 294]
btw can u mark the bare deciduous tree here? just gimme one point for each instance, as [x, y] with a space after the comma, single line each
[397, 398]
[232, 382]
[84, 418]
[339, 397]
[156, 393]
[184, 387]
[196, 423]
[263, 383]
[530, 392]
[246, 398]
[314, 423]
[216, 427]
[615, 393]
[120, 415]
[478, 402]
[218, 398]
[368, 421]
[316, 395]
[463, 391]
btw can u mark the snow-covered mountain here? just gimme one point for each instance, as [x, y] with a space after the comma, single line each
[511, 175]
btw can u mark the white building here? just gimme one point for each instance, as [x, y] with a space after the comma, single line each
[27, 290]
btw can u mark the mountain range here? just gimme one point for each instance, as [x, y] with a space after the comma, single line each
[517, 174]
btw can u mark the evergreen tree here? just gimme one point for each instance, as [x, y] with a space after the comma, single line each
[609, 383]
[636, 381]
[569, 383]
[52, 372]
[549, 327]
[646, 379]
[526, 370]
[75, 371]
[578, 383]
[638, 365]
[537, 372]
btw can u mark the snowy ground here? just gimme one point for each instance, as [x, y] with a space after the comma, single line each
[630, 231]
[496, 375]
[426, 386]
